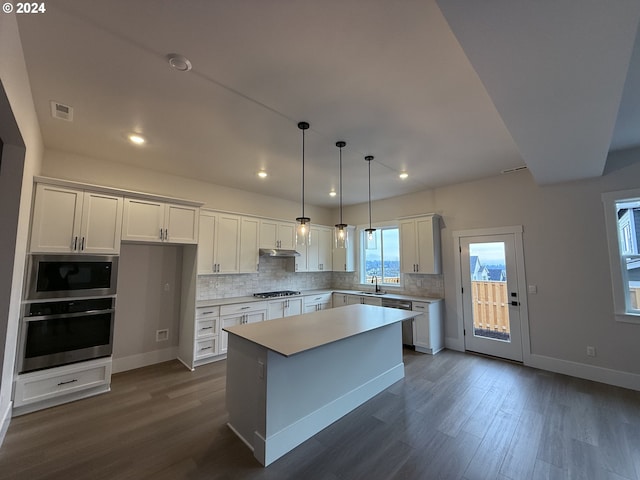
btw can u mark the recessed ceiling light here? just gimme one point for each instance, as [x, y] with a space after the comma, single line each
[179, 62]
[262, 174]
[332, 193]
[403, 175]
[136, 138]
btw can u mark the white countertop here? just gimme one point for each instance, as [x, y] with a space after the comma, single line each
[231, 300]
[290, 335]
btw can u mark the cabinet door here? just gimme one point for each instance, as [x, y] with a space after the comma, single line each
[101, 223]
[344, 259]
[276, 309]
[56, 219]
[428, 245]
[181, 224]
[302, 260]
[372, 301]
[143, 221]
[253, 317]
[408, 259]
[325, 241]
[227, 321]
[268, 234]
[313, 251]
[249, 229]
[353, 299]
[293, 307]
[421, 324]
[206, 237]
[287, 235]
[339, 300]
[227, 244]
[310, 308]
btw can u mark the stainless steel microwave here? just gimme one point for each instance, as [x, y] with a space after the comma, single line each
[67, 276]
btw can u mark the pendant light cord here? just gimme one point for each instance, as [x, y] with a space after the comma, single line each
[303, 173]
[369, 194]
[341, 185]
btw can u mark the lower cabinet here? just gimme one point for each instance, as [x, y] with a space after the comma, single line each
[315, 303]
[238, 314]
[206, 335]
[339, 299]
[53, 386]
[428, 334]
[285, 308]
[364, 299]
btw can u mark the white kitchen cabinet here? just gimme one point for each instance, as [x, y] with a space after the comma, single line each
[285, 307]
[315, 303]
[364, 299]
[420, 244]
[218, 243]
[319, 249]
[238, 314]
[300, 261]
[249, 236]
[344, 259]
[53, 386]
[152, 221]
[428, 333]
[339, 300]
[67, 220]
[275, 234]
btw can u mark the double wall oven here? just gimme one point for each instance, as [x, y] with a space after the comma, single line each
[69, 310]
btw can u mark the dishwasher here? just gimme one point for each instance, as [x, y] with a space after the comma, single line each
[407, 325]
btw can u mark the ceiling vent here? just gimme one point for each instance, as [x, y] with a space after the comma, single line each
[514, 169]
[61, 111]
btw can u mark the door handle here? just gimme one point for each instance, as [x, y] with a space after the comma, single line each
[515, 304]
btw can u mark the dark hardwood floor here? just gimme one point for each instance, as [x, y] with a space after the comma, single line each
[453, 416]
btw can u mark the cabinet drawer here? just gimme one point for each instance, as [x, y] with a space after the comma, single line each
[242, 308]
[206, 348]
[317, 299]
[46, 384]
[204, 312]
[206, 328]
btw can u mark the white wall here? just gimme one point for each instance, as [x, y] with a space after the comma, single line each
[90, 170]
[15, 82]
[565, 249]
[145, 306]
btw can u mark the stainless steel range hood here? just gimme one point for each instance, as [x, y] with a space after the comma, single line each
[278, 252]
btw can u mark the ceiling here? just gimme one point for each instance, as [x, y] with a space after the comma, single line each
[448, 91]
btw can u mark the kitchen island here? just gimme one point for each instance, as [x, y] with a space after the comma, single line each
[289, 378]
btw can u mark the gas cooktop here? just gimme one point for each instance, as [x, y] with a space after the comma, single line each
[279, 293]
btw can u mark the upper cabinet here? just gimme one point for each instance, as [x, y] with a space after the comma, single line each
[227, 243]
[275, 234]
[420, 244]
[319, 249]
[344, 259]
[67, 220]
[153, 221]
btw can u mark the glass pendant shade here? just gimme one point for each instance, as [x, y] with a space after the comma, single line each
[303, 231]
[370, 238]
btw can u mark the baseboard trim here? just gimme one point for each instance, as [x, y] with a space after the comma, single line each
[144, 359]
[6, 420]
[588, 372]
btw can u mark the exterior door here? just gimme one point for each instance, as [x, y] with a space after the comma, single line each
[490, 296]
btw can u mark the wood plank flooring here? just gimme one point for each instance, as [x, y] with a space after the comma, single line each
[454, 416]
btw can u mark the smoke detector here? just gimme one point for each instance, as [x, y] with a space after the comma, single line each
[61, 111]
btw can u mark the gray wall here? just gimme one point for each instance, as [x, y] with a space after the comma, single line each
[143, 304]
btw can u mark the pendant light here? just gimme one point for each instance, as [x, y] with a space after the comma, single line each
[303, 234]
[370, 240]
[341, 232]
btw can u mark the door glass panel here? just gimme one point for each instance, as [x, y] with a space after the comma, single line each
[489, 294]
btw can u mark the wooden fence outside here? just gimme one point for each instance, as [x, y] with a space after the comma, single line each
[490, 306]
[635, 297]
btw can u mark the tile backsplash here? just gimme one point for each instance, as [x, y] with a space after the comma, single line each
[279, 274]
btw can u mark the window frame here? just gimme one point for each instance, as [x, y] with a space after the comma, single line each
[617, 257]
[362, 254]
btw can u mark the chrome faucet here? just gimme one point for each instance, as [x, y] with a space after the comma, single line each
[375, 277]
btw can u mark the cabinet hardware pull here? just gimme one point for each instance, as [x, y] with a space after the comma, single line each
[166, 234]
[205, 348]
[207, 313]
[206, 328]
[82, 247]
[161, 237]
[67, 382]
[75, 243]
[244, 308]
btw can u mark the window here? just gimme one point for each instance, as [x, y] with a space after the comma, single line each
[384, 261]
[622, 216]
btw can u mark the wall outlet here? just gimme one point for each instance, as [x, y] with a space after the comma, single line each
[167, 287]
[591, 351]
[162, 335]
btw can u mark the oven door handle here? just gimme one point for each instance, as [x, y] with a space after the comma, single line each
[69, 315]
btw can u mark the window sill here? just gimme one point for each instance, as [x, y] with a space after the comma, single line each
[628, 318]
